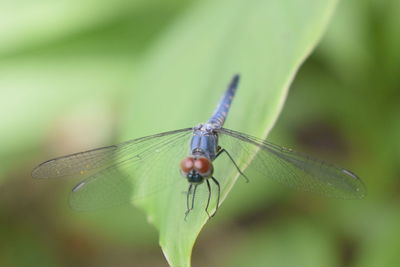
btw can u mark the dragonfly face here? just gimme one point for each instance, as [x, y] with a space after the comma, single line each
[196, 169]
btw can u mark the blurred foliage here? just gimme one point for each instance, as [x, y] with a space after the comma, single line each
[58, 61]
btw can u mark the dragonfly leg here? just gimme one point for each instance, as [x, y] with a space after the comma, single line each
[189, 192]
[194, 194]
[187, 200]
[209, 197]
[219, 192]
[234, 163]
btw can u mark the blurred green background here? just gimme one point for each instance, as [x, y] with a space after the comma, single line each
[62, 88]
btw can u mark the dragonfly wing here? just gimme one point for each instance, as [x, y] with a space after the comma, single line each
[289, 167]
[121, 173]
[75, 164]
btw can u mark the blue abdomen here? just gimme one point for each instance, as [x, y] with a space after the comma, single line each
[224, 104]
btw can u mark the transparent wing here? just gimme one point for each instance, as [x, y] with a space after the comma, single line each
[289, 167]
[121, 173]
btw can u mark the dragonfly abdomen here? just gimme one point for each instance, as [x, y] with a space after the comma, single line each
[220, 113]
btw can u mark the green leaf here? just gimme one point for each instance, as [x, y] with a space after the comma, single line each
[306, 244]
[26, 24]
[44, 88]
[57, 70]
[189, 68]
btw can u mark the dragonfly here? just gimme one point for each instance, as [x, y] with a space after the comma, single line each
[119, 173]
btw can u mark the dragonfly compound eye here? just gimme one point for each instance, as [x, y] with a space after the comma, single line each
[187, 165]
[203, 166]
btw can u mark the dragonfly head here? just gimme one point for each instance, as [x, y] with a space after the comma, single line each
[196, 169]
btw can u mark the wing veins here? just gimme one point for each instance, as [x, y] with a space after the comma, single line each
[82, 162]
[320, 175]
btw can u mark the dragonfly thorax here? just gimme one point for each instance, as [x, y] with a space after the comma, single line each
[207, 128]
[196, 168]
